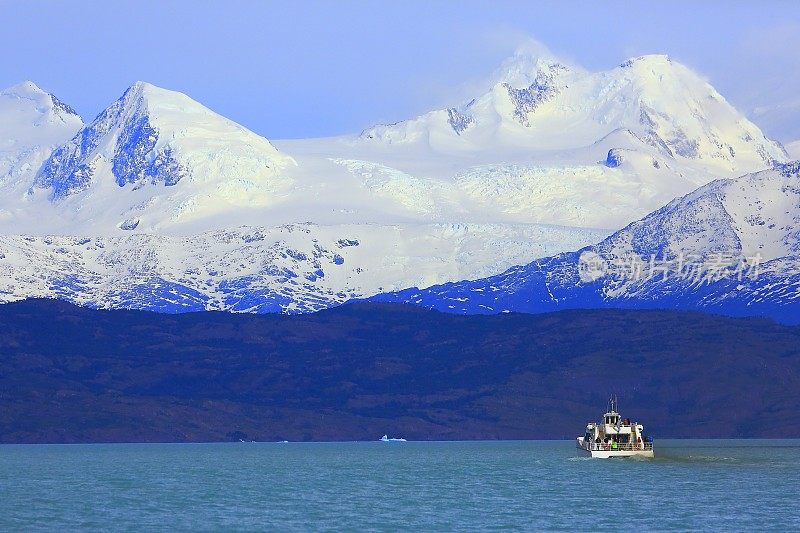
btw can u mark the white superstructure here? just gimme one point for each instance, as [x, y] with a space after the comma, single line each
[615, 436]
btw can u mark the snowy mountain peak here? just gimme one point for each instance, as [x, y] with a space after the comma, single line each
[44, 101]
[140, 86]
[25, 89]
[648, 60]
[646, 72]
[142, 95]
[32, 123]
[527, 67]
[156, 137]
[26, 95]
[651, 104]
[756, 214]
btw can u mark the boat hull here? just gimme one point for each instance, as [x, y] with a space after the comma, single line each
[607, 454]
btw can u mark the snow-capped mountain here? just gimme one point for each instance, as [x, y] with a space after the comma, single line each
[117, 215]
[150, 140]
[549, 142]
[32, 123]
[154, 204]
[732, 246]
[650, 104]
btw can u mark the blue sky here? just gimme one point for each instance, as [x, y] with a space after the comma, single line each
[297, 69]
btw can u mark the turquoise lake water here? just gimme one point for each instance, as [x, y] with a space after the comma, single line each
[527, 485]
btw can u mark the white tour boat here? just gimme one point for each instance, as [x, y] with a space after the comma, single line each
[615, 437]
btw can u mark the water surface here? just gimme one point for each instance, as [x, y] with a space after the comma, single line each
[386, 486]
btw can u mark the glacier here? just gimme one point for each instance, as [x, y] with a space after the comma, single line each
[288, 269]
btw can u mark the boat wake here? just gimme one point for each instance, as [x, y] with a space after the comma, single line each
[711, 459]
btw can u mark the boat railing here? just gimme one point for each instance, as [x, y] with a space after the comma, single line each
[621, 446]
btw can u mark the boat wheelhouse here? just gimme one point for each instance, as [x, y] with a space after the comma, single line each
[615, 436]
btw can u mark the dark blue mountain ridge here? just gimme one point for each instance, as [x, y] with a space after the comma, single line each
[730, 247]
[72, 374]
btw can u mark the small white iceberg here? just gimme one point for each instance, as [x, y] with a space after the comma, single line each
[386, 438]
